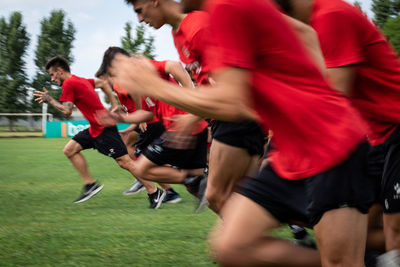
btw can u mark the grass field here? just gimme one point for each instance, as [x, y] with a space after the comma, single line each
[41, 226]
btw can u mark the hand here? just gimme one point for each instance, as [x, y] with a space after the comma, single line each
[42, 96]
[134, 73]
[143, 126]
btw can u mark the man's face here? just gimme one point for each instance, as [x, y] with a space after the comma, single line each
[148, 11]
[56, 75]
[191, 5]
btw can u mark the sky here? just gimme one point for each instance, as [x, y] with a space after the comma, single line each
[98, 23]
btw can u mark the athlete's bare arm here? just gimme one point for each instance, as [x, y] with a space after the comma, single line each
[107, 118]
[342, 78]
[106, 88]
[309, 38]
[179, 73]
[43, 96]
[227, 100]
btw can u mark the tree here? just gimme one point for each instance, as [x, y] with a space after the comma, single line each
[357, 4]
[55, 39]
[382, 10]
[392, 30]
[14, 41]
[141, 44]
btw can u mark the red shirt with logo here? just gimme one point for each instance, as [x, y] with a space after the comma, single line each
[191, 41]
[80, 91]
[348, 37]
[315, 127]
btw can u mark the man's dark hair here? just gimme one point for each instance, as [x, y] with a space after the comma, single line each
[286, 6]
[108, 57]
[56, 62]
[131, 2]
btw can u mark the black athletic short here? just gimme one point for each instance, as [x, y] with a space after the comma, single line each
[109, 142]
[194, 158]
[306, 200]
[154, 130]
[247, 135]
[384, 166]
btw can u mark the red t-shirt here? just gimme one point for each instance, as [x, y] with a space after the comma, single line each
[191, 41]
[80, 91]
[165, 111]
[348, 37]
[124, 99]
[315, 128]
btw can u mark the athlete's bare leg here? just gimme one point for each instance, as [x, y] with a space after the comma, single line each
[128, 164]
[148, 170]
[130, 141]
[72, 150]
[391, 227]
[341, 235]
[375, 236]
[227, 165]
[241, 239]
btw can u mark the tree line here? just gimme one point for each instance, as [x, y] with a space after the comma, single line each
[58, 34]
[56, 37]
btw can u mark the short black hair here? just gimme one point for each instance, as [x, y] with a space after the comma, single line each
[131, 2]
[56, 62]
[108, 57]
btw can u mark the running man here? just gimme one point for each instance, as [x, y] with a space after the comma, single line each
[183, 145]
[317, 172]
[231, 140]
[80, 92]
[362, 64]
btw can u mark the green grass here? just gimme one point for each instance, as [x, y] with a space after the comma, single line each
[41, 226]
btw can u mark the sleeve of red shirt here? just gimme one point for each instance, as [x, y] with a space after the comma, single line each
[233, 38]
[160, 66]
[68, 92]
[340, 39]
[91, 81]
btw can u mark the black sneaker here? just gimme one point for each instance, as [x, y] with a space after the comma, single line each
[156, 198]
[197, 185]
[172, 197]
[302, 237]
[88, 191]
[136, 188]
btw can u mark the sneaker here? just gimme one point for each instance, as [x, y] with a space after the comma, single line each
[88, 191]
[172, 197]
[302, 237]
[389, 259]
[197, 186]
[203, 202]
[136, 188]
[156, 198]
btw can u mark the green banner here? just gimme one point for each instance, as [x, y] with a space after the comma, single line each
[70, 128]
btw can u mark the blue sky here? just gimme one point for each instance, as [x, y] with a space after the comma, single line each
[99, 24]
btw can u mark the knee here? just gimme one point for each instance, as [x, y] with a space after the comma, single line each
[214, 199]
[125, 163]
[224, 253]
[68, 151]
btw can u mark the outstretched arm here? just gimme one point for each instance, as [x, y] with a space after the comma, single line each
[43, 96]
[227, 100]
[107, 118]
